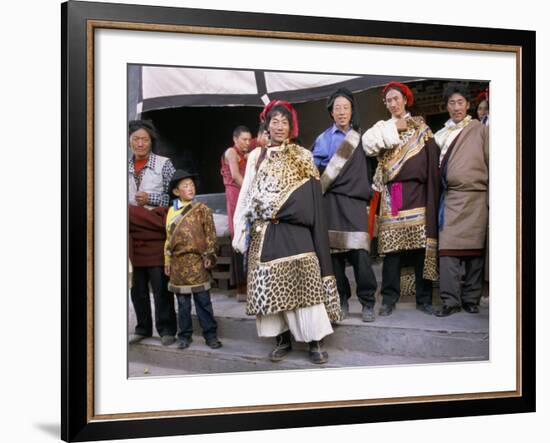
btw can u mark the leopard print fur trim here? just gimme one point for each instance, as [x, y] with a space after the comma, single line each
[332, 302]
[407, 282]
[278, 177]
[283, 284]
[431, 271]
[402, 238]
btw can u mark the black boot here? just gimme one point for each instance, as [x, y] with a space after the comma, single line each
[282, 348]
[316, 353]
[344, 306]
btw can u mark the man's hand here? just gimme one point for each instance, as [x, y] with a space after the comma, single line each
[401, 124]
[167, 269]
[142, 198]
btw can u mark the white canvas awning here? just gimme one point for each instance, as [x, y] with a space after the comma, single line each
[162, 87]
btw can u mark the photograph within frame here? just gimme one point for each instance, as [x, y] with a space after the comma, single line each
[407, 338]
[77, 420]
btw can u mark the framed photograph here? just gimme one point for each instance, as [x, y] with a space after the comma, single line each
[197, 75]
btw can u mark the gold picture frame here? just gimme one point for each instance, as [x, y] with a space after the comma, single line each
[80, 22]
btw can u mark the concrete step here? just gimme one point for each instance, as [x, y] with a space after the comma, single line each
[406, 337]
[150, 358]
[407, 332]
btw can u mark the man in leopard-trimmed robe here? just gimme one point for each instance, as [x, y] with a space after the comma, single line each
[339, 156]
[407, 178]
[464, 208]
[280, 224]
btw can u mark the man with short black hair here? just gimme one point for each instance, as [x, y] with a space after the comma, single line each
[339, 156]
[463, 208]
[233, 166]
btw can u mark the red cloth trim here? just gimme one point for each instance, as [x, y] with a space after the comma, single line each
[372, 212]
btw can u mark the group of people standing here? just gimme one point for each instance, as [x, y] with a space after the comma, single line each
[299, 216]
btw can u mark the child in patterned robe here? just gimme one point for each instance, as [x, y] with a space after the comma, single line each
[190, 252]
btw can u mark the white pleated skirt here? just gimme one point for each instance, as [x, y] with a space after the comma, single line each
[305, 324]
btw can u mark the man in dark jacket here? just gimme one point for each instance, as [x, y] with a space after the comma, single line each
[339, 155]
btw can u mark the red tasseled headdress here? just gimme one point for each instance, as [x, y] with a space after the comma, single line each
[287, 105]
[401, 87]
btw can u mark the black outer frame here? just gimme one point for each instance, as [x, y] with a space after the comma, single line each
[74, 421]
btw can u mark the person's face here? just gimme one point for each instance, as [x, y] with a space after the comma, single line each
[482, 109]
[279, 128]
[243, 141]
[457, 105]
[141, 143]
[185, 190]
[341, 112]
[262, 139]
[395, 103]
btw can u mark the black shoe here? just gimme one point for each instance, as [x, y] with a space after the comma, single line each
[447, 310]
[183, 343]
[367, 315]
[316, 353]
[213, 343]
[167, 340]
[282, 348]
[471, 308]
[426, 309]
[386, 310]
